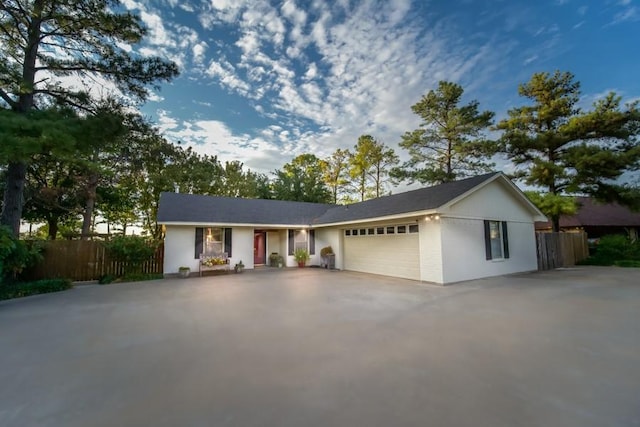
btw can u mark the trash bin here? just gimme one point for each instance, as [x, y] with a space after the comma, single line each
[331, 261]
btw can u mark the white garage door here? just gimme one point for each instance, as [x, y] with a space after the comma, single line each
[389, 250]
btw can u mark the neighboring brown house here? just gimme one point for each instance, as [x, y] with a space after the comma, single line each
[598, 219]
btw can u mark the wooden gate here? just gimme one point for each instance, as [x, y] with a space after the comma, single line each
[561, 249]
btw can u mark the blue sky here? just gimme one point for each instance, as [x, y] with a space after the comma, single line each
[263, 81]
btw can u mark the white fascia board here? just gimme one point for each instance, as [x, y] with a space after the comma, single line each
[231, 225]
[379, 218]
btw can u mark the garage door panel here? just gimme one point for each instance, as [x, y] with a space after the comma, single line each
[392, 255]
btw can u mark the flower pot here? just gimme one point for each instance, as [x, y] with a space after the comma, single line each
[301, 264]
[184, 273]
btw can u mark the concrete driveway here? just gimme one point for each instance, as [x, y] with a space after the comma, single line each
[317, 348]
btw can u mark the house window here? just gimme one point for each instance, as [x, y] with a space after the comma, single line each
[380, 230]
[371, 231]
[363, 232]
[347, 232]
[391, 230]
[413, 228]
[212, 241]
[300, 240]
[496, 240]
[354, 232]
[402, 229]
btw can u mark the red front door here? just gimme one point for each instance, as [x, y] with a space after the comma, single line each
[259, 247]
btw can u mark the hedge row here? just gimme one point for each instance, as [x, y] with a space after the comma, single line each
[17, 290]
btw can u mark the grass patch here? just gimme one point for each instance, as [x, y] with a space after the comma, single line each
[25, 289]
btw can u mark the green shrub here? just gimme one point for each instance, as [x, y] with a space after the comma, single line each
[105, 279]
[628, 263]
[16, 255]
[613, 248]
[133, 251]
[18, 290]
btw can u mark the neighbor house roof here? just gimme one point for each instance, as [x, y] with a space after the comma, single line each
[189, 209]
[593, 214]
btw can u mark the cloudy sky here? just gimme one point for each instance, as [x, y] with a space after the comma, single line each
[263, 81]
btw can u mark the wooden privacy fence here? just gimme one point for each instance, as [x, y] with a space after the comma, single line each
[561, 249]
[80, 260]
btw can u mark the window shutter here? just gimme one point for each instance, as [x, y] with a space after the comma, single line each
[487, 239]
[227, 241]
[290, 242]
[199, 237]
[505, 239]
[312, 242]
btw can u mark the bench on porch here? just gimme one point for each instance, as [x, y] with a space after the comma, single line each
[211, 263]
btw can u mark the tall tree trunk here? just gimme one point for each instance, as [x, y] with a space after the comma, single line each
[53, 227]
[87, 216]
[13, 194]
[17, 171]
[555, 219]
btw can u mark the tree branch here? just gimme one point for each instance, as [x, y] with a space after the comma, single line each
[13, 104]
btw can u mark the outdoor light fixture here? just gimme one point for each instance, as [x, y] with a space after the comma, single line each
[432, 217]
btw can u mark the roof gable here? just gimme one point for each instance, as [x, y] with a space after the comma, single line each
[516, 194]
[423, 199]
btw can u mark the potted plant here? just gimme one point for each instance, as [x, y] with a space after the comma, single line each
[239, 267]
[273, 259]
[184, 272]
[301, 256]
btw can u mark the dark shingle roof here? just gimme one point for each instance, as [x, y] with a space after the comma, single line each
[411, 201]
[190, 208]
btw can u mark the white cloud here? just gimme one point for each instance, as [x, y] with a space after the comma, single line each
[328, 74]
[262, 153]
[158, 34]
[199, 50]
[225, 72]
[629, 14]
[154, 97]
